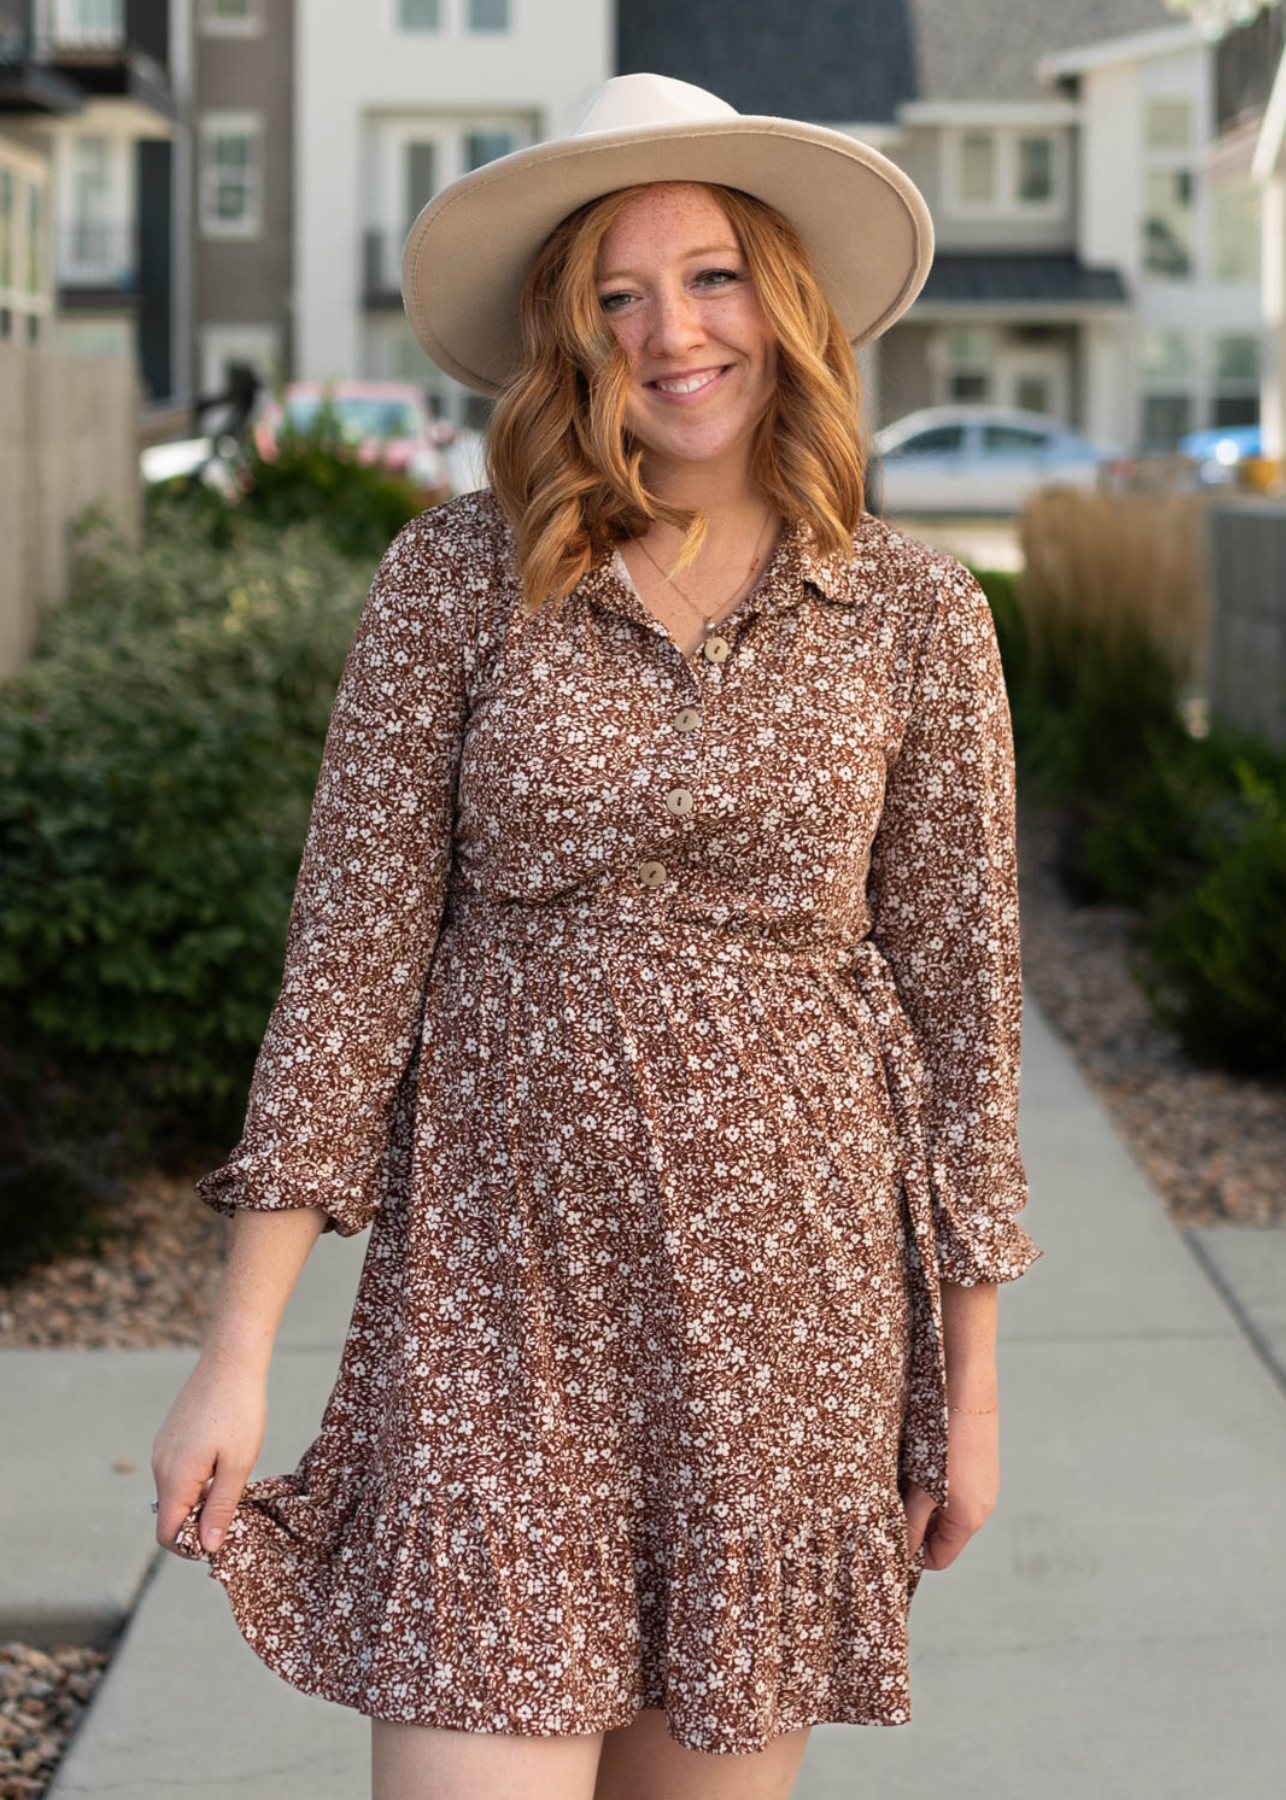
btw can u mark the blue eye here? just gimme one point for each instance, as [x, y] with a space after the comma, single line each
[606, 301]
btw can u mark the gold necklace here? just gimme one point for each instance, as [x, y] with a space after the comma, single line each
[709, 620]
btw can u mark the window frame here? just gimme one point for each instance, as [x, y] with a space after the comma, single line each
[1167, 161]
[1005, 202]
[212, 122]
[210, 24]
[453, 22]
[1224, 196]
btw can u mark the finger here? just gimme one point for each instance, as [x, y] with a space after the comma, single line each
[177, 1500]
[220, 1505]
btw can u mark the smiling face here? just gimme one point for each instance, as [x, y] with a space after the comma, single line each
[676, 287]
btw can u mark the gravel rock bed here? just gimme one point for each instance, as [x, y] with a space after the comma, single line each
[153, 1285]
[42, 1696]
[1212, 1144]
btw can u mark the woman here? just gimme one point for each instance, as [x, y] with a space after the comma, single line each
[652, 991]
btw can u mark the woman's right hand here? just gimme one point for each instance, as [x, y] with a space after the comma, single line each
[206, 1448]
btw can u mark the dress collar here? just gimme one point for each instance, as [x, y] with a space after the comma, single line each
[794, 565]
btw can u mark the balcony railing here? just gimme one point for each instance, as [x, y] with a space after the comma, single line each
[97, 253]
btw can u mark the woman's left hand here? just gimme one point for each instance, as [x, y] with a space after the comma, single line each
[973, 1460]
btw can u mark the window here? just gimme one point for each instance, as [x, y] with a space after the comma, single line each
[1235, 228]
[484, 146]
[421, 180]
[1168, 250]
[1165, 354]
[488, 15]
[7, 210]
[1169, 123]
[1167, 375]
[454, 15]
[1013, 440]
[1234, 398]
[231, 178]
[1167, 223]
[358, 417]
[89, 24]
[938, 440]
[1035, 169]
[977, 167]
[1004, 171]
[35, 237]
[968, 359]
[232, 18]
[87, 243]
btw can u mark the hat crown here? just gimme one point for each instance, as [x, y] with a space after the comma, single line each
[628, 102]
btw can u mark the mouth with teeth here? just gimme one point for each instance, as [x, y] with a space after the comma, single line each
[689, 387]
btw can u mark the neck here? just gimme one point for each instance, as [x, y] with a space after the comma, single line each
[720, 488]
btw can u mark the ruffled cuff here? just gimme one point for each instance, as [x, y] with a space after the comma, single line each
[265, 1184]
[980, 1239]
[997, 1250]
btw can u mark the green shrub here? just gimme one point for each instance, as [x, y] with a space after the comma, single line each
[1215, 965]
[1155, 833]
[315, 475]
[157, 761]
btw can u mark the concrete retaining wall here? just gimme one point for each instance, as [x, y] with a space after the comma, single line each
[68, 436]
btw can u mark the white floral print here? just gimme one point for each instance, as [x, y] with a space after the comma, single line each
[661, 1019]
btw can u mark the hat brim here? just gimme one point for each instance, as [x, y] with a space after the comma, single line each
[862, 219]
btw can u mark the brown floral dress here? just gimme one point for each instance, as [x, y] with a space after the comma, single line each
[661, 1018]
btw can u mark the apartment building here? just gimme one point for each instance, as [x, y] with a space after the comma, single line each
[1182, 227]
[395, 98]
[88, 121]
[241, 187]
[1086, 264]
[1250, 144]
[33, 98]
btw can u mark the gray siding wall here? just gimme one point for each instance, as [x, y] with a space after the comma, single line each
[248, 280]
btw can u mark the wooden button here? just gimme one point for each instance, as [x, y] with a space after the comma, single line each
[679, 801]
[651, 874]
[687, 718]
[716, 649]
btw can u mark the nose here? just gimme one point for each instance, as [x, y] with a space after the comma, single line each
[674, 322]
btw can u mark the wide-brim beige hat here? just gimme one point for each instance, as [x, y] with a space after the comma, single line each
[862, 219]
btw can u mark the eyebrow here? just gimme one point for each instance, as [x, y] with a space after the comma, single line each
[709, 250]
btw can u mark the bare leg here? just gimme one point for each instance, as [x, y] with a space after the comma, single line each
[422, 1762]
[641, 1761]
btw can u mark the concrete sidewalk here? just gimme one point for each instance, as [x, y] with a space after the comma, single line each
[1118, 1628]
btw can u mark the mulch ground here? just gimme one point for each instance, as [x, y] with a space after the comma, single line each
[1212, 1144]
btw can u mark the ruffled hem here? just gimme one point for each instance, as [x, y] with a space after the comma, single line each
[453, 1610]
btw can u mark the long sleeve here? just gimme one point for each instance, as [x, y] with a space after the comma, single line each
[943, 887]
[367, 903]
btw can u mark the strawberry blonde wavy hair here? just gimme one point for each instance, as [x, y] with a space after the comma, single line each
[565, 467]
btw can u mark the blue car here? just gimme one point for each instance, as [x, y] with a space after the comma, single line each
[1218, 451]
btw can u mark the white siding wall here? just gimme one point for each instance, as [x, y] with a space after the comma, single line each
[1198, 308]
[362, 85]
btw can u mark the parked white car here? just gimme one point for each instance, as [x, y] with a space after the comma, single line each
[163, 462]
[985, 459]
